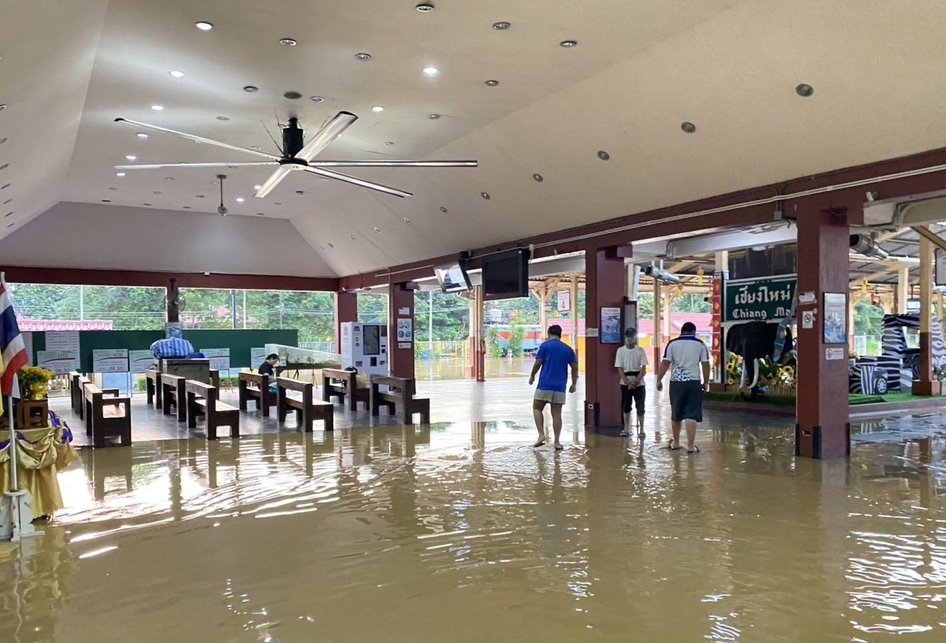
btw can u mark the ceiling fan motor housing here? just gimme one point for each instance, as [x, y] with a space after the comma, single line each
[292, 138]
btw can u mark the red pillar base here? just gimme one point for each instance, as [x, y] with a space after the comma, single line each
[604, 287]
[927, 389]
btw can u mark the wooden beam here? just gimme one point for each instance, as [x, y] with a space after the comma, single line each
[930, 236]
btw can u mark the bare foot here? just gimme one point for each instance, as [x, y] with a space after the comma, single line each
[541, 441]
[558, 447]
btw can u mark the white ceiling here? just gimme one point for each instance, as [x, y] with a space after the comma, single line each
[639, 70]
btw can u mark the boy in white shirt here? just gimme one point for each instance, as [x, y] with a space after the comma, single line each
[631, 362]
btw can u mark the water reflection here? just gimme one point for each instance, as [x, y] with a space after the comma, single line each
[463, 531]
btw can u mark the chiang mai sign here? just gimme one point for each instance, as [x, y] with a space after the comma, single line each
[759, 299]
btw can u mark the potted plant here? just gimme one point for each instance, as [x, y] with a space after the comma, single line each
[33, 382]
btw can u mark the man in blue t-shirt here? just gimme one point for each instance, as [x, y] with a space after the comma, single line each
[554, 357]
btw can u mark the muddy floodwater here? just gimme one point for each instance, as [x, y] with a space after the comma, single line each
[463, 532]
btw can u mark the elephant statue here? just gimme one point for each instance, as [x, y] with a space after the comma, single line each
[753, 341]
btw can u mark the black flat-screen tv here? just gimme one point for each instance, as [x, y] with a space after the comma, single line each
[452, 278]
[506, 275]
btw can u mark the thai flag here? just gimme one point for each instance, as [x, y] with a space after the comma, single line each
[11, 345]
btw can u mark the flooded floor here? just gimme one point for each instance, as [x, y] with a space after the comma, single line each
[463, 532]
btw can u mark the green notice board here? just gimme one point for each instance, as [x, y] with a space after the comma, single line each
[759, 299]
[238, 341]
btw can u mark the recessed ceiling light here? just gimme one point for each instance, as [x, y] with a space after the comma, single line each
[389, 143]
[4, 166]
[250, 88]
[425, 7]
[431, 72]
[352, 237]
[443, 209]
[223, 118]
[538, 177]
[363, 55]
[10, 225]
[330, 245]
[199, 196]
[804, 90]
[501, 26]
[300, 192]
[169, 178]
[113, 189]
[131, 157]
[485, 195]
[291, 95]
[8, 201]
[406, 219]
[176, 74]
[491, 83]
[9, 214]
[288, 42]
[255, 147]
[3, 140]
[433, 117]
[119, 174]
[257, 187]
[204, 26]
[376, 229]
[377, 109]
[187, 207]
[3, 106]
[278, 203]
[688, 127]
[260, 214]
[240, 199]
[316, 99]
[141, 135]
[568, 44]
[106, 200]
[604, 156]
[158, 108]
[157, 192]
[147, 204]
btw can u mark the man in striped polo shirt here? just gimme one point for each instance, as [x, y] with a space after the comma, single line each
[686, 358]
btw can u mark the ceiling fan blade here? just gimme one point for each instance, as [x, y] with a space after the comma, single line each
[338, 176]
[197, 139]
[274, 179]
[383, 163]
[164, 166]
[326, 135]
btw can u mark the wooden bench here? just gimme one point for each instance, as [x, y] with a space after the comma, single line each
[173, 387]
[256, 387]
[202, 400]
[153, 384]
[344, 384]
[106, 414]
[75, 392]
[401, 392]
[307, 409]
[81, 381]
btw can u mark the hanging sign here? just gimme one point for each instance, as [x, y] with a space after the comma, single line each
[564, 298]
[759, 299]
[66, 341]
[110, 360]
[717, 305]
[58, 362]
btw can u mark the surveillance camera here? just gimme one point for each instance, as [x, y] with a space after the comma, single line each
[222, 211]
[871, 196]
[661, 275]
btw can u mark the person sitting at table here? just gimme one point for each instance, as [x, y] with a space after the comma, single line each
[267, 368]
[172, 348]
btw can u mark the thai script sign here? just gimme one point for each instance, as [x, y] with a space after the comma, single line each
[759, 299]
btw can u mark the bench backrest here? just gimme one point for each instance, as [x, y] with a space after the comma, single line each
[173, 380]
[199, 388]
[252, 378]
[293, 385]
[90, 390]
[401, 383]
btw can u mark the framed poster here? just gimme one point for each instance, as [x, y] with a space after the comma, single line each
[140, 361]
[939, 275]
[405, 330]
[610, 326]
[835, 318]
[219, 358]
[564, 301]
[58, 362]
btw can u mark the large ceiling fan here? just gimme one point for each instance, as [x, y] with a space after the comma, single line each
[297, 155]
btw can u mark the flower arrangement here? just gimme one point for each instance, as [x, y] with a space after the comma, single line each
[33, 381]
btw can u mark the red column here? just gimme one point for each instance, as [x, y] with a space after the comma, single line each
[173, 302]
[346, 310]
[822, 427]
[400, 306]
[604, 283]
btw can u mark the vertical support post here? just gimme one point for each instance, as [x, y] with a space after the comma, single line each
[346, 310]
[400, 354]
[658, 336]
[822, 428]
[573, 297]
[477, 339]
[925, 384]
[720, 276]
[173, 302]
[666, 316]
[604, 287]
[903, 289]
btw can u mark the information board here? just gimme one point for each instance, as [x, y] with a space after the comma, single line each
[139, 361]
[114, 360]
[63, 341]
[57, 362]
[219, 358]
[257, 355]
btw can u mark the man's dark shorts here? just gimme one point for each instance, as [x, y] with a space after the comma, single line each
[686, 401]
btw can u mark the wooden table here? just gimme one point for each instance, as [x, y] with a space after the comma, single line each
[32, 414]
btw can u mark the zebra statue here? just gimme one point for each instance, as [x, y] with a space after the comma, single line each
[894, 345]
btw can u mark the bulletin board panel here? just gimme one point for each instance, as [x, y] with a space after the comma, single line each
[238, 341]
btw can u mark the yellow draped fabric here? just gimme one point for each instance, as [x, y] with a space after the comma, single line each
[39, 458]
